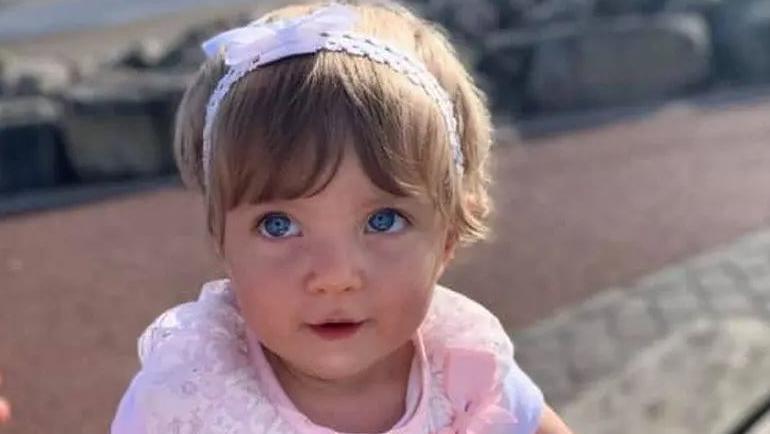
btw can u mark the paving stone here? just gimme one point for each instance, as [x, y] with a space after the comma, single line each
[751, 263]
[600, 303]
[678, 305]
[759, 239]
[731, 303]
[724, 291]
[760, 285]
[633, 325]
[716, 278]
[672, 276]
[703, 379]
[546, 329]
[593, 351]
[708, 260]
[691, 385]
[555, 382]
[542, 352]
[532, 351]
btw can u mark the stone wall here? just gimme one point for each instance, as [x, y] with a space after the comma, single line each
[540, 56]
[65, 123]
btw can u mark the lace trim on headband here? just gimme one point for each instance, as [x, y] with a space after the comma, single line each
[357, 45]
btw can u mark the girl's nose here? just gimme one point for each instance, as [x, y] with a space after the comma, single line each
[336, 268]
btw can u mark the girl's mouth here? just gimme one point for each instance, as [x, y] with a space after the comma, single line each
[336, 330]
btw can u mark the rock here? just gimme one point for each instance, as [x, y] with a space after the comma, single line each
[701, 6]
[554, 11]
[622, 61]
[31, 148]
[505, 62]
[144, 54]
[471, 20]
[518, 14]
[5, 58]
[475, 20]
[185, 52]
[741, 30]
[25, 76]
[179, 53]
[625, 7]
[502, 67]
[706, 378]
[119, 124]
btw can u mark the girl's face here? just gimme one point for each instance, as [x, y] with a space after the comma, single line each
[334, 283]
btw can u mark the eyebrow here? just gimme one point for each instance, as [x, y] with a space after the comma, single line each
[384, 197]
[369, 201]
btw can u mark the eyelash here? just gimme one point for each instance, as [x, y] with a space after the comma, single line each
[262, 232]
[260, 228]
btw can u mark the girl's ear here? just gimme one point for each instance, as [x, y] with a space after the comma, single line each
[450, 244]
[448, 252]
[218, 249]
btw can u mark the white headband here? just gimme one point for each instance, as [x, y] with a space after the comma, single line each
[260, 43]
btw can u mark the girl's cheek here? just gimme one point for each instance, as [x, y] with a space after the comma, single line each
[266, 260]
[409, 254]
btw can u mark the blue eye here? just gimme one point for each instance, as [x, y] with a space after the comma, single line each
[386, 220]
[277, 225]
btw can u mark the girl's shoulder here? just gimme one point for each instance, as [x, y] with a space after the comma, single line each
[196, 375]
[213, 317]
[452, 319]
[472, 366]
[195, 362]
[211, 330]
[455, 320]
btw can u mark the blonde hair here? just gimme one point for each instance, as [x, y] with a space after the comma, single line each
[281, 131]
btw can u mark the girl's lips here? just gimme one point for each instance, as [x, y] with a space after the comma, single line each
[336, 330]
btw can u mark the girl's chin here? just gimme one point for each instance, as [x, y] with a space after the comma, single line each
[336, 369]
[340, 367]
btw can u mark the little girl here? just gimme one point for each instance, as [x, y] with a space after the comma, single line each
[341, 153]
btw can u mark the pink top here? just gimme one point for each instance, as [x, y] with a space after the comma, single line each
[203, 372]
[416, 401]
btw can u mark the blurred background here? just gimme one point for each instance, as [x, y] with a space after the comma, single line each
[631, 253]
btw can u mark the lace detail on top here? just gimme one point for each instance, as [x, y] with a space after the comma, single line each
[197, 377]
[455, 320]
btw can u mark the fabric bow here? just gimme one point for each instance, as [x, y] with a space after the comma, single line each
[470, 386]
[270, 41]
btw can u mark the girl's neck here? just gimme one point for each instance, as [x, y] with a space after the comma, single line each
[370, 402]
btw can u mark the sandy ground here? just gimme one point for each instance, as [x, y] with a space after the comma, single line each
[575, 214]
